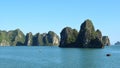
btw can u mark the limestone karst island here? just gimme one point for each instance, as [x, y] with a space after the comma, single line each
[87, 37]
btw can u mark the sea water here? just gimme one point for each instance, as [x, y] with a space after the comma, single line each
[55, 57]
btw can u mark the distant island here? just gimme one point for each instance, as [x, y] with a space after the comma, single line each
[117, 43]
[87, 37]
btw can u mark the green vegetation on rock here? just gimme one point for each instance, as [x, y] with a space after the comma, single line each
[68, 36]
[29, 39]
[106, 40]
[86, 38]
[17, 38]
[14, 37]
[4, 40]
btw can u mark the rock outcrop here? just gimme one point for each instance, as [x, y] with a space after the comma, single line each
[17, 38]
[87, 37]
[44, 39]
[4, 41]
[52, 38]
[117, 43]
[29, 39]
[13, 37]
[106, 40]
[68, 37]
[38, 39]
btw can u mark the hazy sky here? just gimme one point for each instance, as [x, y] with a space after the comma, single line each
[44, 15]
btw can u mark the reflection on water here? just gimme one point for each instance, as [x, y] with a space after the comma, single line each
[55, 57]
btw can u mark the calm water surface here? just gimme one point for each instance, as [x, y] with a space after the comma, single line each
[55, 57]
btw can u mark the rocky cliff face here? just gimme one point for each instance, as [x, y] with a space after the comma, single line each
[17, 38]
[52, 38]
[106, 40]
[49, 38]
[4, 41]
[68, 37]
[38, 39]
[86, 38]
[29, 39]
[86, 34]
[14, 37]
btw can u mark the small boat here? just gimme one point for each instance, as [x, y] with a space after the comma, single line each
[108, 54]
